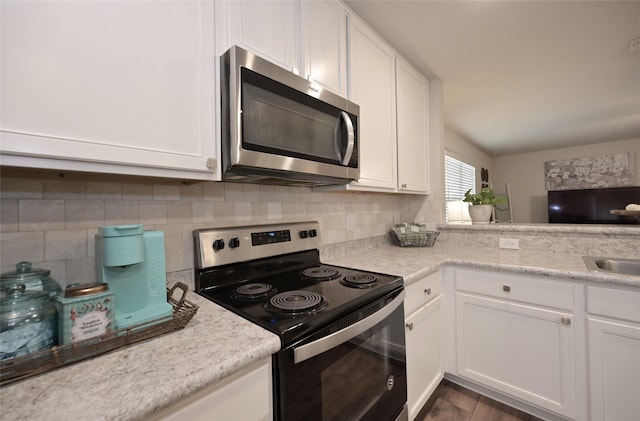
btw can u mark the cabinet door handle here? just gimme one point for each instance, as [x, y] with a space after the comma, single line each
[409, 325]
[565, 321]
[506, 288]
[427, 291]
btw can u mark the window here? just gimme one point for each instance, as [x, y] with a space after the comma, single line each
[458, 178]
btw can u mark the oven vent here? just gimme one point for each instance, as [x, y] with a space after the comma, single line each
[348, 321]
[370, 310]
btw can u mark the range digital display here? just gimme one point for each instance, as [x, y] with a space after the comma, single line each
[270, 237]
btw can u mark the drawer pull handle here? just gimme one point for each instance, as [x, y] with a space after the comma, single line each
[427, 291]
[409, 326]
[565, 321]
[506, 288]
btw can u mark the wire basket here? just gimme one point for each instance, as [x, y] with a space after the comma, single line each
[19, 368]
[411, 234]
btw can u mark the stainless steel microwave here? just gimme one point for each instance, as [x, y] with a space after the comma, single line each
[278, 128]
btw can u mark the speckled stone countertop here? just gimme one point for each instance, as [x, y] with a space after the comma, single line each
[135, 381]
[413, 263]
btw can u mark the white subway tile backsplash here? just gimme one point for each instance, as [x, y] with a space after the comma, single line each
[137, 192]
[65, 245]
[214, 192]
[21, 188]
[21, 246]
[8, 215]
[152, 212]
[54, 221]
[179, 212]
[202, 211]
[38, 215]
[242, 211]
[106, 191]
[62, 188]
[192, 192]
[83, 213]
[166, 192]
[120, 212]
[274, 210]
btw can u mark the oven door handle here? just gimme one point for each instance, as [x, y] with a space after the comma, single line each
[312, 349]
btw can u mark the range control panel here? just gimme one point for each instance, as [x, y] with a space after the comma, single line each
[221, 246]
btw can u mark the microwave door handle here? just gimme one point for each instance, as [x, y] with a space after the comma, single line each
[350, 138]
[312, 349]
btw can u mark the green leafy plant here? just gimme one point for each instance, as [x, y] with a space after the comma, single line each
[484, 197]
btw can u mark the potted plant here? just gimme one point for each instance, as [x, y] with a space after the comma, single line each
[481, 205]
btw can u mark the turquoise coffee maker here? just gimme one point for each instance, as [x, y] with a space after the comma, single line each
[131, 260]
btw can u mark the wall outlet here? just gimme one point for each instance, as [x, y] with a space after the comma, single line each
[509, 243]
[349, 222]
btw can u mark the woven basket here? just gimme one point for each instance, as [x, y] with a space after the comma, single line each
[410, 234]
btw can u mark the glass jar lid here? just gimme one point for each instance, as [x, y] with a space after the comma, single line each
[24, 272]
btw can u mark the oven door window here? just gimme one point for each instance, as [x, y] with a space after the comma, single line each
[280, 120]
[363, 378]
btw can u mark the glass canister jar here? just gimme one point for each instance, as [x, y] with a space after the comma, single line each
[33, 279]
[86, 311]
[28, 322]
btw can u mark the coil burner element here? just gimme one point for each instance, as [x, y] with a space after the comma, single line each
[297, 301]
[359, 281]
[252, 291]
[321, 273]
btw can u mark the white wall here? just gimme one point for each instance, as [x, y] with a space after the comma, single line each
[525, 174]
[459, 147]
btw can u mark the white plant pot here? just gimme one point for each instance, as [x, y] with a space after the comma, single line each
[480, 214]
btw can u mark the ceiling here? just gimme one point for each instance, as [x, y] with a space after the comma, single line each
[522, 76]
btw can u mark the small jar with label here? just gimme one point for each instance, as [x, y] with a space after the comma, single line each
[85, 311]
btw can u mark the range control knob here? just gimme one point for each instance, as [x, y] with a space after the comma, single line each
[234, 242]
[304, 234]
[218, 245]
[313, 233]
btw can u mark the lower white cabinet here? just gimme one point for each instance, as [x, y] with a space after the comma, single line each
[424, 344]
[424, 354]
[244, 396]
[522, 349]
[613, 328]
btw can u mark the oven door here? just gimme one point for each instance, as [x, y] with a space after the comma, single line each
[353, 370]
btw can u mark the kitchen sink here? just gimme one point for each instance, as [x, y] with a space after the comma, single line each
[613, 265]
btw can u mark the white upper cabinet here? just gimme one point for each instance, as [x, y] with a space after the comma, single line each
[118, 87]
[393, 100]
[308, 38]
[324, 44]
[267, 28]
[372, 85]
[412, 117]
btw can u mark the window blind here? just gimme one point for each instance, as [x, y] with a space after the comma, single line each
[458, 178]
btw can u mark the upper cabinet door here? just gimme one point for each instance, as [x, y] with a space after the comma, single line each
[115, 86]
[324, 44]
[412, 98]
[267, 28]
[372, 85]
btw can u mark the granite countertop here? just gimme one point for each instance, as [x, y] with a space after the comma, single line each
[136, 381]
[413, 263]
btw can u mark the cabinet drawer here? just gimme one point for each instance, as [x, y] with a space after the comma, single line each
[618, 303]
[526, 289]
[421, 292]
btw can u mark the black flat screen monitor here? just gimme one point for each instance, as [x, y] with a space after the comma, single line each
[592, 206]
